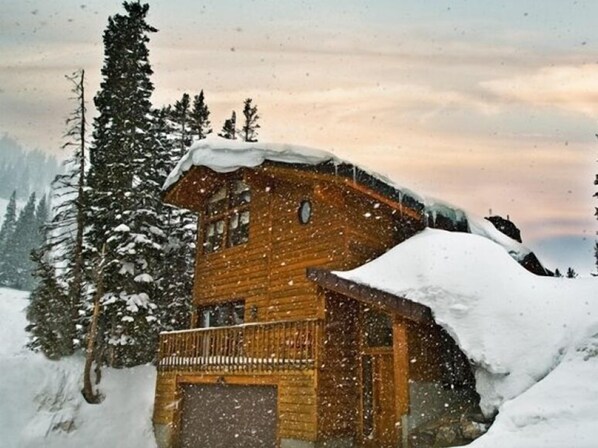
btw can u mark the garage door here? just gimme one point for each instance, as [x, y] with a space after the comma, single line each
[227, 416]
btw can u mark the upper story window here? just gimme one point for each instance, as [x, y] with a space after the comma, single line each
[222, 314]
[226, 222]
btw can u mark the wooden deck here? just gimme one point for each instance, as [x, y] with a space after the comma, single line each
[252, 347]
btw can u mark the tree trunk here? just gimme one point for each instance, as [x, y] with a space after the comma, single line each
[90, 354]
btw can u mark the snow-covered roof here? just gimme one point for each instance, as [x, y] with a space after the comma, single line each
[532, 340]
[225, 156]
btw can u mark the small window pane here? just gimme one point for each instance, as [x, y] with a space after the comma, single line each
[367, 395]
[217, 203]
[223, 314]
[378, 329]
[214, 237]
[241, 194]
[238, 230]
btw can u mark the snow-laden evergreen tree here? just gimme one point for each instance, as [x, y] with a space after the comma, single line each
[49, 311]
[180, 226]
[181, 123]
[18, 265]
[557, 273]
[6, 233]
[250, 121]
[122, 197]
[571, 273]
[42, 214]
[229, 128]
[62, 244]
[200, 117]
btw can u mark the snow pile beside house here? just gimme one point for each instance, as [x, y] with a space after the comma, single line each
[41, 403]
[532, 340]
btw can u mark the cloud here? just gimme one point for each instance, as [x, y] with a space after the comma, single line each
[572, 88]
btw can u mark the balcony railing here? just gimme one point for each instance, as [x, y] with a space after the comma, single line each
[283, 345]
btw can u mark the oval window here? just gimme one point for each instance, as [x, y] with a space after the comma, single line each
[304, 212]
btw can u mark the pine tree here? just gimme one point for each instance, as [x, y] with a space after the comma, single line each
[250, 121]
[180, 226]
[229, 129]
[200, 123]
[18, 265]
[49, 310]
[6, 234]
[62, 244]
[122, 196]
[42, 214]
[557, 273]
[181, 119]
[571, 273]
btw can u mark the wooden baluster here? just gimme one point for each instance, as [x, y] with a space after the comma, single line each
[285, 348]
[196, 350]
[218, 337]
[185, 349]
[262, 348]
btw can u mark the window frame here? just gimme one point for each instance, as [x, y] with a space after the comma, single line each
[230, 210]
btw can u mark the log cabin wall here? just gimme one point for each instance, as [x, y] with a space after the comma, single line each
[268, 271]
[346, 229]
[338, 386]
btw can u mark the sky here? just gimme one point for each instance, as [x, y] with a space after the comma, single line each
[490, 105]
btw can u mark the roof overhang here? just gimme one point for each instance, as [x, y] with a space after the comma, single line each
[202, 179]
[399, 306]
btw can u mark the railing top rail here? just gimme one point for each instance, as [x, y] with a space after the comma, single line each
[245, 325]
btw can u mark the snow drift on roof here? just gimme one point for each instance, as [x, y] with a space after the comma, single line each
[533, 340]
[224, 156]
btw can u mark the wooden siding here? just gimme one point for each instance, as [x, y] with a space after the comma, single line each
[339, 392]
[347, 229]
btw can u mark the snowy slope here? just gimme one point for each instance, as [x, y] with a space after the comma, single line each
[533, 340]
[40, 402]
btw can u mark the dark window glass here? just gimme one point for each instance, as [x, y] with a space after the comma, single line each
[222, 314]
[241, 195]
[238, 229]
[214, 236]
[367, 395]
[377, 329]
[218, 202]
[227, 217]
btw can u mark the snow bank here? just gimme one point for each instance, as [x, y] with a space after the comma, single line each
[533, 340]
[41, 403]
[477, 226]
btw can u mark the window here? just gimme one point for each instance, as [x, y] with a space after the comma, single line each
[377, 329]
[367, 395]
[226, 222]
[304, 212]
[222, 314]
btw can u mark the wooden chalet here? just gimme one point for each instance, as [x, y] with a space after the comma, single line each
[280, 351]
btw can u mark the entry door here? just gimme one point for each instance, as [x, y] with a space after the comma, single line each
[378, 400]
[228, 416]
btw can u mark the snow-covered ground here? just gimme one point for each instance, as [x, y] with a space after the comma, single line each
[40, 400]
[533, 340]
